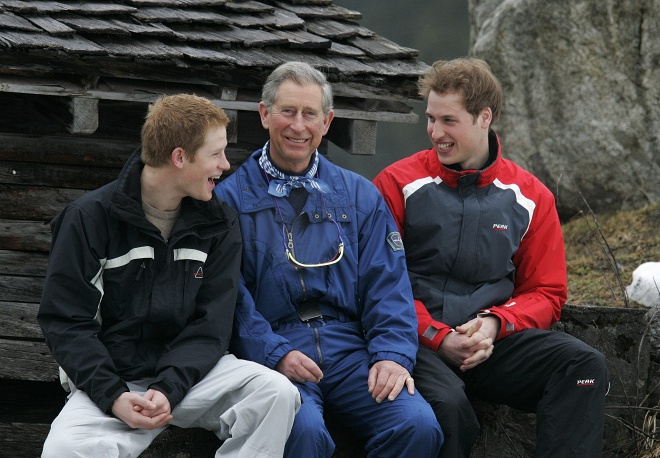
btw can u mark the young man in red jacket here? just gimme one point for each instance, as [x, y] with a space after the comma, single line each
[485, 255]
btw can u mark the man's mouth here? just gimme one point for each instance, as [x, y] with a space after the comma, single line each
[444, 146]
[215, 180]
[297, 140]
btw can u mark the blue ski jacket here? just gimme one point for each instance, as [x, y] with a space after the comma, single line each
[369, 285]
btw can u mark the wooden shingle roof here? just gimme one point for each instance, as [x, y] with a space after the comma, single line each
[136, 49]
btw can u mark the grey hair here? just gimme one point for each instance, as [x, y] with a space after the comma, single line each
[300, 73]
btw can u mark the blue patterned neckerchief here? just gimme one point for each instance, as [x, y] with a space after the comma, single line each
[281, 184]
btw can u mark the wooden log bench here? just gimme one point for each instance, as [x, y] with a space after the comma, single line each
[40, 175]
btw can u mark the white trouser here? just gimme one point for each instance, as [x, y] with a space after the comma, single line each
[248, 406]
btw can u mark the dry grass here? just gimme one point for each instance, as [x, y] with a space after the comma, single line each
[597, 246]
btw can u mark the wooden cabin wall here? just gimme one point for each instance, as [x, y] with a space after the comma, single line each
[42, 169]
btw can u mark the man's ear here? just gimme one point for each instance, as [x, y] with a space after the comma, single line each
[178, 157]
[327, 120]
[486, 117]
[263, 113]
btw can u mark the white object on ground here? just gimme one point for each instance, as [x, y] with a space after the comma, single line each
[645, 287]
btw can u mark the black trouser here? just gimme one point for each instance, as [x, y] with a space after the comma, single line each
[556, 375]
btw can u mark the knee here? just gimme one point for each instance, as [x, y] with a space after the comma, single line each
[54, 448]
[591, 361]
[424, 428]
[58, 446]
[416, 432]
[279, 389]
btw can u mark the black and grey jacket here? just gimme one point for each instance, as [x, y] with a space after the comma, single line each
[120, 303]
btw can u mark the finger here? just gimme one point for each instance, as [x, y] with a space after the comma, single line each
[384, 387]
[302, 375]
[371, 381]
[402, 380]
[476, 359]
[144, 403]
[314, 372]
[410, 384]
[155, 422]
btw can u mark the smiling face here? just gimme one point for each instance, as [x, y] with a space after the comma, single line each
[200, 174]
[456, 136]
[296, 124]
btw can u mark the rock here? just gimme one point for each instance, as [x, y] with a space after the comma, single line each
[581, 95]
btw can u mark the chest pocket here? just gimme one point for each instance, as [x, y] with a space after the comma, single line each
[119, 276]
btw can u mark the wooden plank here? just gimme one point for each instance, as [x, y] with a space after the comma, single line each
[303, 39]
[287, 20]
[23, 263]
[33, 203]
[345, 50]
[92, 25]
[11, 21]
[66, 150]
[146, 48]
[145, 29]
[398, 68]
[85, 113]
[329, 28]
[74, 44]
[22, 440]
[54, 175]
[47, 7]
[382, 48]
[355, 137]
[50, 25]
[21, 360]
[174, 15]
[249, 6]
[33, 236]
[18, 320]
[21, 289]
[326, 10]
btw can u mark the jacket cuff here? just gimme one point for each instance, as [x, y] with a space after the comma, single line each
[398, 358]
[117, 389]
[168, 391]
[431, 336]
[507, 327]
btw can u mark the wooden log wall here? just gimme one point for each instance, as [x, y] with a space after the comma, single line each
[42, 169]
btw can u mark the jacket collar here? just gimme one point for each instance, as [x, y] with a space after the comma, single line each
[252, 186]
[483, 176]
[126, 202]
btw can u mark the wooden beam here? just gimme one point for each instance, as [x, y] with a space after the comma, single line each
[21, 235]
[21, 360]
[24, 263]
[21, 289]
[34, 203]
[65, 150]
[85, 113]
[149, 93]
[18, 320]
[23, 440]
[354, 136]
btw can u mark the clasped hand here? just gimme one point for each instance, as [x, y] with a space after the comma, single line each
[149, 411]
[471, 344]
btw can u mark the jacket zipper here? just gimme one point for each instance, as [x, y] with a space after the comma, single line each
[317, 336]
[185, 285]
